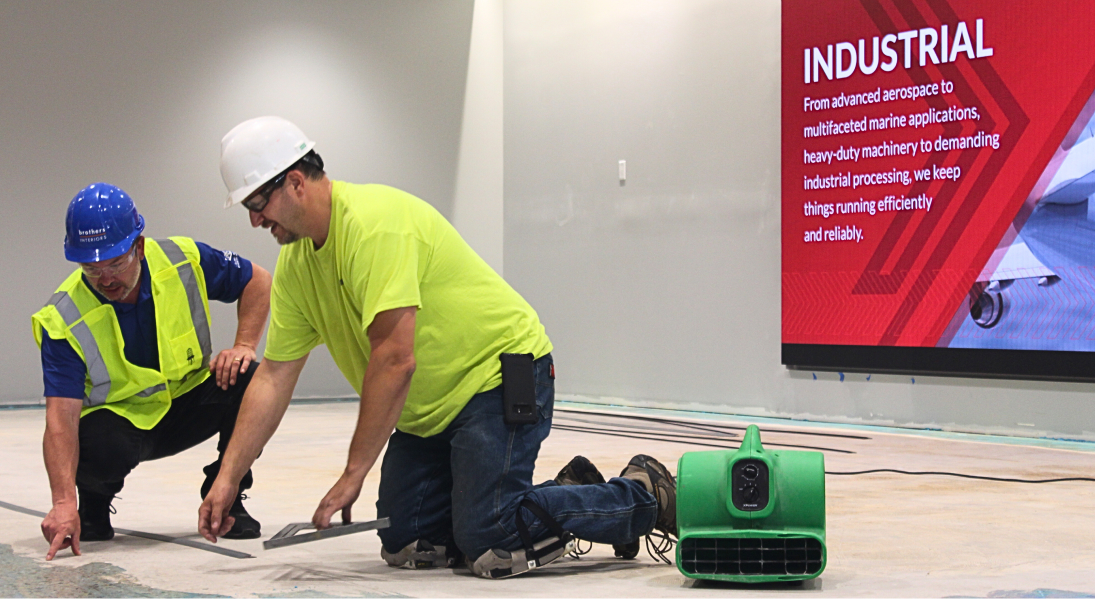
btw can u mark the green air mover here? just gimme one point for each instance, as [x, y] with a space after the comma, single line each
[751, 515]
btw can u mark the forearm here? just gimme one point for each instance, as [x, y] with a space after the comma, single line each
[263, 406]
[61, 447]
[253, 307]
[383, 394]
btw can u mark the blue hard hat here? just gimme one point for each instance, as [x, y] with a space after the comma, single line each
[101, 224]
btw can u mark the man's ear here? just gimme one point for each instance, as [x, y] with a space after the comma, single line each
[294, 180]
[140, 247]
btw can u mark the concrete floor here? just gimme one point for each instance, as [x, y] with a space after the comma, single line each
[888, 535]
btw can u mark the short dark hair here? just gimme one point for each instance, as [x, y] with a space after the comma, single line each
[310, 165]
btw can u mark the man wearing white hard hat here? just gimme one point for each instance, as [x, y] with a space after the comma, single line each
[453, 368]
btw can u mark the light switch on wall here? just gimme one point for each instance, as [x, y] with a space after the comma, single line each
[623, 171]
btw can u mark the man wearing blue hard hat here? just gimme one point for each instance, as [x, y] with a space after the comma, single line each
[128, 364]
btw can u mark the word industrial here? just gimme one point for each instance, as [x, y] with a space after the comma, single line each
[887, 204]
[855, 180]
[932, 44]
[838, 233]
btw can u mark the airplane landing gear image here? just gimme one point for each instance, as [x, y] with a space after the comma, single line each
[988, 307]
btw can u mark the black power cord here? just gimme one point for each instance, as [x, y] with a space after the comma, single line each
[669, 438]
[666, 436]
[973, 476]
[707, 426]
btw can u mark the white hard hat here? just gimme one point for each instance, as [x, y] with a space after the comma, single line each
[256, 150]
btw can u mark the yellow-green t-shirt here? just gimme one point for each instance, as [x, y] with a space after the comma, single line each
[387, 249]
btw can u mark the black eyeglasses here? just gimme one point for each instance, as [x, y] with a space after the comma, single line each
[258, 200]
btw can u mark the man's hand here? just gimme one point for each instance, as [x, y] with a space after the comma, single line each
[341, 497]
[61, 528]
[213, 518]
[230, 362]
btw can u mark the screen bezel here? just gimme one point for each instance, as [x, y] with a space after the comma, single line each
[1069, 366]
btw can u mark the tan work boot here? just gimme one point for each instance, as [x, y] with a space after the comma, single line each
[656, 479]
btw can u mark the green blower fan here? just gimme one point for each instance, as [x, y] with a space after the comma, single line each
[751, 515]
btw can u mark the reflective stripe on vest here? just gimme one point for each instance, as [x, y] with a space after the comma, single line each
[193, 295]
[96, 368]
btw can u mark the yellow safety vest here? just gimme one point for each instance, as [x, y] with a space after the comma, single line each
[142, 395]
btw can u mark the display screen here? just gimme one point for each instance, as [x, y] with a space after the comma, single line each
[938, 168]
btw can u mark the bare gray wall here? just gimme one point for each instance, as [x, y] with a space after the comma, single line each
[477, 210]
[139, 93]
[665, 291]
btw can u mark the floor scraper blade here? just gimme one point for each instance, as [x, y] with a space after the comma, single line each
[289, 535]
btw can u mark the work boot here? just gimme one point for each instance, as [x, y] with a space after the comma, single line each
[656, 479]
[95, 513]
[422, 555]
[580, 471]
[245, 527]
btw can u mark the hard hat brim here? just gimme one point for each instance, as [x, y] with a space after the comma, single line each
[89, 255]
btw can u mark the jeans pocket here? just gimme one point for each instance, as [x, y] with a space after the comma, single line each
[544, 387]
[545, 397]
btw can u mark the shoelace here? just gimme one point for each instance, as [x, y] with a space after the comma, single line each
[657, 549]
[578, 551]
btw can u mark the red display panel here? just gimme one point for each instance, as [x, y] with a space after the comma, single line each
[938, 158]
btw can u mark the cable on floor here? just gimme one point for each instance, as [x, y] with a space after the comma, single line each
[973, 476]
[657, 436]
[708, 426]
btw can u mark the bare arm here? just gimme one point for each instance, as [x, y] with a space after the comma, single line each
[383, 393]
[264, 404]
[252, 308]
[61, 450]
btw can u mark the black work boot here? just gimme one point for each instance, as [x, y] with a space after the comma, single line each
[95, 513]
[655, 477]
[245, 527]
[580, 471]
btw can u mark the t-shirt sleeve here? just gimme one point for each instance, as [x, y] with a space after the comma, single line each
[226, 273]
[384, 273]
[291, 336]
[63, 372]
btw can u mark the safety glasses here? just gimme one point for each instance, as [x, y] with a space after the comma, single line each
[123, 262]
[257, 201]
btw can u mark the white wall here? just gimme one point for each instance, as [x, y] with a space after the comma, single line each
[665, 291]
[660, 292]
[477, 209]
[139, 94]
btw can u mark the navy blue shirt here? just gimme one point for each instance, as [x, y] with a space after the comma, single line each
[226, 274]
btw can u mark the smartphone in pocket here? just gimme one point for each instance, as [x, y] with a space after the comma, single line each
[519, 389]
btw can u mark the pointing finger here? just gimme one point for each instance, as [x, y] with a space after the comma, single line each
[55, 546]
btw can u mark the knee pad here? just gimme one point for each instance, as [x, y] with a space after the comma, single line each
[498, 563]
[421, 555]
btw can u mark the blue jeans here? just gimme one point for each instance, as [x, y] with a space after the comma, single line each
[466, 484]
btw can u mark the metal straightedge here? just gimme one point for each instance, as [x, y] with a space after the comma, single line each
[289, 535]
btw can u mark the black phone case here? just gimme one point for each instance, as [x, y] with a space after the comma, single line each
[519, 389]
